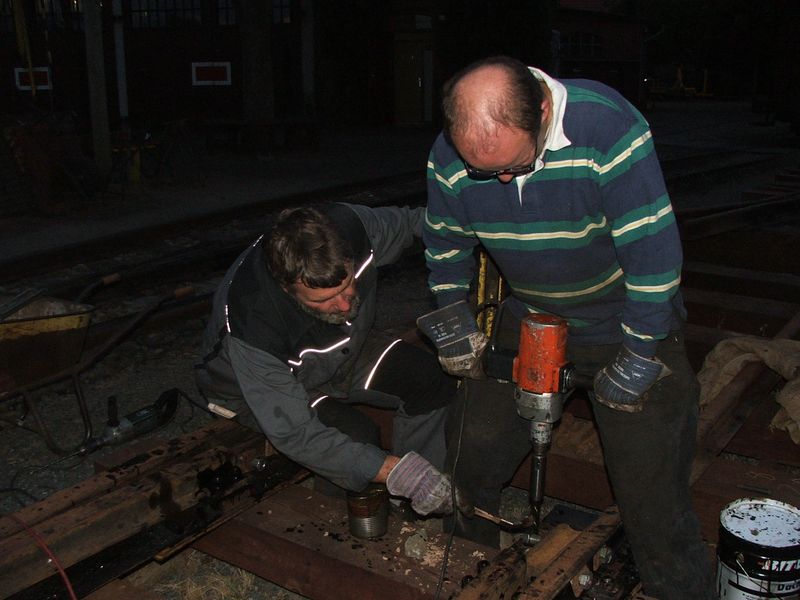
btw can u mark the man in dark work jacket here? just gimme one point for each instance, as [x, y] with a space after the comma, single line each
[290, 346]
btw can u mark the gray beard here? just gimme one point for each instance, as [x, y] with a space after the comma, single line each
[335, 318]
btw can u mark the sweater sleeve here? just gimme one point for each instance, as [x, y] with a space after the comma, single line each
[645, 236]
[391, 229]
[448, 237]
[282, 408]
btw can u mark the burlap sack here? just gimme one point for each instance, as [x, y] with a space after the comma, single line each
[782, 356]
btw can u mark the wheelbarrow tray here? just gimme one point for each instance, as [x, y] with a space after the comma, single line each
[42, 338]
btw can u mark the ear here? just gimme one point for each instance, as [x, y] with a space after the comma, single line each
[546, 109]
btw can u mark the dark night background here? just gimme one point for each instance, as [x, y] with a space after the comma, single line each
[244, 106]
[292, 67]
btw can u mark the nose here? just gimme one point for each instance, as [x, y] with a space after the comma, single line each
[343, 302]
[505, 178]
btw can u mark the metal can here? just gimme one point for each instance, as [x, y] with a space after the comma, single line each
[368, 511]
[758, 555]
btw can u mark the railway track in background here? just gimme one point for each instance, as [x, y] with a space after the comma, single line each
[214, 239]
[214, 233]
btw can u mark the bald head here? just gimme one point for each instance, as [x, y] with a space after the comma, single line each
[488, 96]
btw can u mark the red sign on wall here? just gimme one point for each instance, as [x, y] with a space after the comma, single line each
[211, 73]
[41, 77]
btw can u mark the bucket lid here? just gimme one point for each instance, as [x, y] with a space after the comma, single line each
[763, 521]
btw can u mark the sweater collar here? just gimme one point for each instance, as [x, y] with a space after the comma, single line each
[555, 139]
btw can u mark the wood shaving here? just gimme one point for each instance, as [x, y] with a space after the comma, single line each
[433, 557]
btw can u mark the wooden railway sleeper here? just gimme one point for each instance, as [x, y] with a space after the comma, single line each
[564, 557]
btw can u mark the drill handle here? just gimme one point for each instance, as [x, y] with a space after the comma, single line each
[498, 363]
[578, 381]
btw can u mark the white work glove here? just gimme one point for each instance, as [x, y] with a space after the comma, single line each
[428, 489]
[470, 363]
[623, 383]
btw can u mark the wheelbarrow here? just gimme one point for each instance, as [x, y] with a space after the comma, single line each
[43, 343]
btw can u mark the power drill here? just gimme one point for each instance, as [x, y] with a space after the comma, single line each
[144, 420]
[539, 368]
[544, 380]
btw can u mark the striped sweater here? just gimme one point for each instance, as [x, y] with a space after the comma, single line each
[591, 235]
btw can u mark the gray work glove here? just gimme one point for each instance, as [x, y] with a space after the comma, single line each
[622, 383]
[427, 488]
[469, 363]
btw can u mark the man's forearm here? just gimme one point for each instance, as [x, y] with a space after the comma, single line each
[388, 464]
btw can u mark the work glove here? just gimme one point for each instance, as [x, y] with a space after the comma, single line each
[622, 383]
[428, 489]
[459, 342]
[469, 362]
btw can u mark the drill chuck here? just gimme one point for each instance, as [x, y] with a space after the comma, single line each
[544, 408]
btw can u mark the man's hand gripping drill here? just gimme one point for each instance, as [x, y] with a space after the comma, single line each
[623, 383]
[460, 344]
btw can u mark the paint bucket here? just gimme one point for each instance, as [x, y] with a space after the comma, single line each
[759, 550]
[368, 511]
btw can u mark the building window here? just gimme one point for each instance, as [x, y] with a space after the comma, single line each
[581, 44]
[282, 12]
[226, 12]
[154, 14]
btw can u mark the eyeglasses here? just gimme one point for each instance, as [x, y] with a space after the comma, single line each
[483, 174]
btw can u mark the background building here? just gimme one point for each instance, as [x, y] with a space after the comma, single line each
[286, 67]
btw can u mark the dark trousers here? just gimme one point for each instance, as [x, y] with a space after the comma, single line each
[409, 381]
[648, 456]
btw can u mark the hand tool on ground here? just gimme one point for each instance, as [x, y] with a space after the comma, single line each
[71, 370]
[505, 523]
[119, 430]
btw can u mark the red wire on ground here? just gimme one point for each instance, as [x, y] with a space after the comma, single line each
[46, 549]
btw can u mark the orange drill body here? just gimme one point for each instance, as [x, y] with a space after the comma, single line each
[542, 354]
[541, 374]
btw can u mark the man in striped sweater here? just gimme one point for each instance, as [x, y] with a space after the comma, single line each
[559, 182]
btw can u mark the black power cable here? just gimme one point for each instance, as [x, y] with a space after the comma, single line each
[448, 546]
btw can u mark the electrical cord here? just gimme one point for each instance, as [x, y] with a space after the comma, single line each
[194, 403]
[449, 545]
[40, 541]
